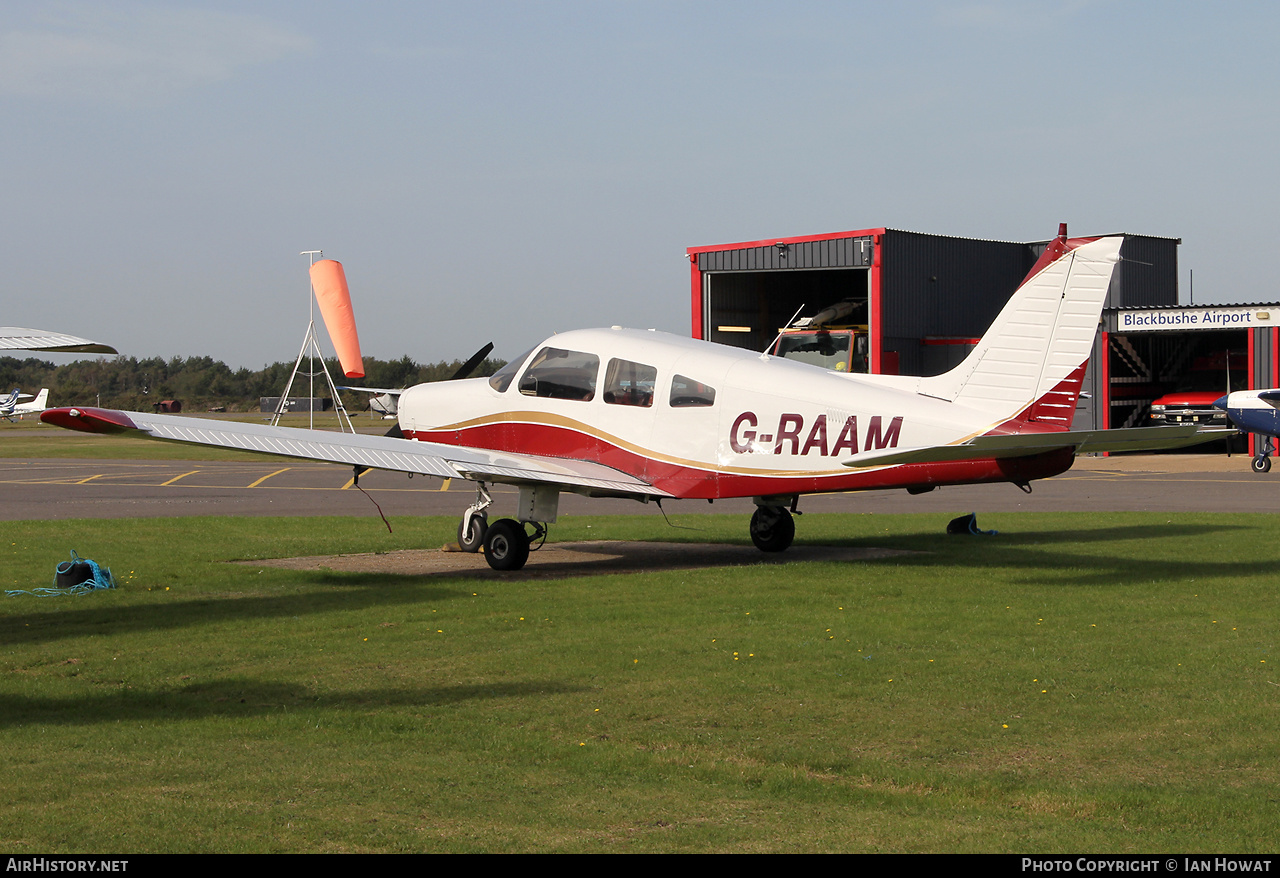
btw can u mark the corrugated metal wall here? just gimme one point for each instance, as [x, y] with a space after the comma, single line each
[933, 285]
[1264, 355]
[1147, 274]
[833, 253]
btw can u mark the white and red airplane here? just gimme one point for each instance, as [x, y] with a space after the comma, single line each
[652, 416]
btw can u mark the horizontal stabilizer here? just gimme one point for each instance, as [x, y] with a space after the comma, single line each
[1028, 444]
[374, 390]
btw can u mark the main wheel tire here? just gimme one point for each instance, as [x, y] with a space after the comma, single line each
[473, 538]
[506, 545]
[772, 528]
[1262, 464]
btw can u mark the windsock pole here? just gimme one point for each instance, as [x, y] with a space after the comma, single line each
[311, 349]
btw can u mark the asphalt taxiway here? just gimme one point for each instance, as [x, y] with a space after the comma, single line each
[47, 489]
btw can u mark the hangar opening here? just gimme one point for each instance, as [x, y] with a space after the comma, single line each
[749, 309]
[1175, 377]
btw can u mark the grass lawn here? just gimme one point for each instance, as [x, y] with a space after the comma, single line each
[1086, 683]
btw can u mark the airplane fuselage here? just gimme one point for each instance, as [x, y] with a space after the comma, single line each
[702, 420]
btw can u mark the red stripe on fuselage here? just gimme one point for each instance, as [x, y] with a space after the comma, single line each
[696, 482]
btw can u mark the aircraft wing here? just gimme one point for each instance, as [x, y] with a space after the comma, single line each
[1028, 444]
[353, 449]
[374, 390]
[15, 338]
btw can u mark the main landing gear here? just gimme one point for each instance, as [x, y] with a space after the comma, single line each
[507, 542]
[772, 527]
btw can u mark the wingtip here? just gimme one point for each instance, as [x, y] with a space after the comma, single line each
[88, 420]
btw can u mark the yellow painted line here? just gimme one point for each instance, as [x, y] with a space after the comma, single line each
[272, 475]
[443, 487]
[177, 478]
[90, 479]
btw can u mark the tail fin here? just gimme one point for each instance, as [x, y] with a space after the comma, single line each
[12, 398]
[1030, 363]
[42, 398]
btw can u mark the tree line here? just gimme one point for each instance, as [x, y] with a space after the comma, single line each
[204, 383]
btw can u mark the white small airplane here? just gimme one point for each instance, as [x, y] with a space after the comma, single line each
[652, 417]
[11, 406]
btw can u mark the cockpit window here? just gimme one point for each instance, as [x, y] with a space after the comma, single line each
[561, 374]
[686, 392]
[628, 383]
[501, 379]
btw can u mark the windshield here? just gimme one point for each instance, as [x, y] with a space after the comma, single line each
[501, 379]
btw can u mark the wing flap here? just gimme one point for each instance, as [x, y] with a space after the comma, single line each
[374, 452]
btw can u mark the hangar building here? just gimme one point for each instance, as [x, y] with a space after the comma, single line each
[923, 301]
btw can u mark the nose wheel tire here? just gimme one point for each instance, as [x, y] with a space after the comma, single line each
[1262, 464]
[506, 545]
[772, 528]
[471, 536]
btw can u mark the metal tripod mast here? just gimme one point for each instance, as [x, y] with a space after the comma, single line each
[311, 350]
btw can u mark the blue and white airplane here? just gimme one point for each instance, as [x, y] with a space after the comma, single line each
[12, 405]
[1254, 411]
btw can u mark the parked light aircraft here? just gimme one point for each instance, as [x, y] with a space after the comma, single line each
[1254, 411]
[11, 405]
[652, 417]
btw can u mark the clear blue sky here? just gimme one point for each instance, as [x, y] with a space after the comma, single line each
[499, 171]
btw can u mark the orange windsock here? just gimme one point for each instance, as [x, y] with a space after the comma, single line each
[330, 284]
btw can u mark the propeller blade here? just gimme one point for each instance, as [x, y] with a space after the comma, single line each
[470, 365]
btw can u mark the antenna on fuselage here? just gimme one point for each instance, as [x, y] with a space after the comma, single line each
[774, 343]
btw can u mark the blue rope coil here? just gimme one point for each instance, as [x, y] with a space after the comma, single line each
[77, 576]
